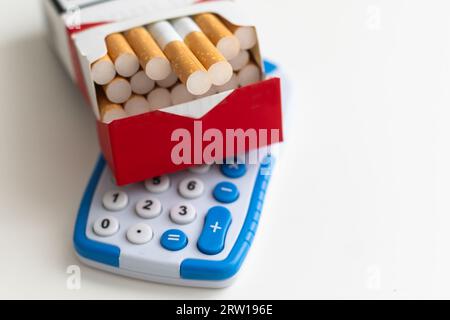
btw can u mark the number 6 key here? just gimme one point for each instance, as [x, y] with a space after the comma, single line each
[191, 188]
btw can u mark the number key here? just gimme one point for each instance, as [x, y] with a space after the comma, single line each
[183, 214]
[191, 188]
[158, 184]
[149, 208]
[115, 200]
[106, 227]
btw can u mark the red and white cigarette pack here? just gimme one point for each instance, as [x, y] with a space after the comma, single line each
[141, 147]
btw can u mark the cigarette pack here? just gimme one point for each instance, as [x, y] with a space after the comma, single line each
[167, 140]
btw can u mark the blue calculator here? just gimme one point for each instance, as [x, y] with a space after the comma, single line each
[192, 228]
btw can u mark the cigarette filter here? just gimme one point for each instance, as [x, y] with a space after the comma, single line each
[103, 71]
[227, 43]
[218, 67]
[141, 83]
[109, 111]
[159, 98]
[249, 74]
[231, 85]
[152, 59]
[169, 81]
[118, 90]
[242, 59]
[189, 70]
[123, 56]
[246, 35]
[180, 94]
[137, 105]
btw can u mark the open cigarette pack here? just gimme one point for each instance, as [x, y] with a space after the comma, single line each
[172, 84]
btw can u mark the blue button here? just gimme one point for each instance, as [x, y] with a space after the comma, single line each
[234, 171]
[174, 240]
[270, 67]
[226, 192]
[212, 239]
[267, 161]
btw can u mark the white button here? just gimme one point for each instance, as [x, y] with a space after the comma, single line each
[106, 227]
[158, 184]
[200, 169]
[149, 208]
[115, 200]
[183, 214]
[140, 234]
[191, 188]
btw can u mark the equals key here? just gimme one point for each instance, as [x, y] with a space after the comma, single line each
[174, 240]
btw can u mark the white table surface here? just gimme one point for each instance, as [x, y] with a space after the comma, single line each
[359, 208]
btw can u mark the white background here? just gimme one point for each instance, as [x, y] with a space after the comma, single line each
[359, 208]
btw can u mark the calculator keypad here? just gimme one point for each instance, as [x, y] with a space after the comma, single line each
[149, 213]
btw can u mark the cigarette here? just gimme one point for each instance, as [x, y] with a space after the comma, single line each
[141, 83]
[219, 69]
[109, 111]
[180, 94]
[249, 74]
[226, 42]
[123, 56]
[246, 35]
[169, 81]
[159, 98]
[189, 70]
[233, 84]
[211, 92]
[242, 59]
[118, 90]
[137, 105]
[152, 59]
[103, 71]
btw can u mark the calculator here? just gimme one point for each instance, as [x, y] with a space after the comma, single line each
[191, 228]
